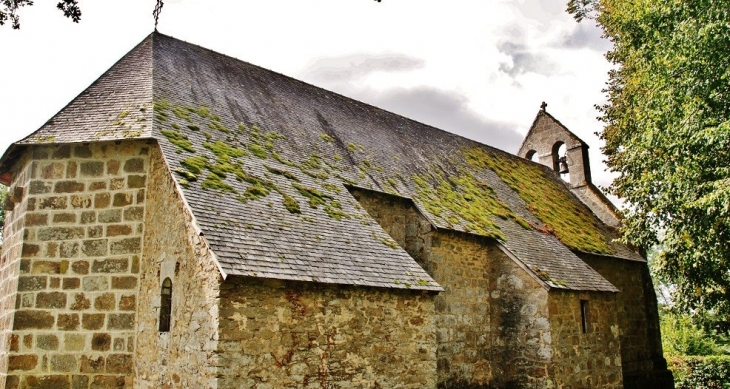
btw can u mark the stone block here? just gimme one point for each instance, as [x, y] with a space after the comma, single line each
[82, 151]
[72, 169]
[116, 184]
[68, 322]
[107, 381]
[128, 303]
[105, 302]
[64, 363]
[110, 216]
[60, 233]
[47, 342]
[121, 321]
[95, 232]
[112, 167]
[33, 319]
[55, 202]
[125, 246]
[119, 344]
[88, 217]
[102, 200]
[52, 300]
[65, 217]
[46, 267]
[79, 382]
[40, 187]
[97, 185]
[80, 267]
[62, 152]
[22, 362]
[122, 199]
[74, 342]
[95, 284]
[134, 214]
[92, 365]
[81, 201]
[36, 219]
[94, 248]
[30, 250]
[69, 187]
[92, 168]
[101, 342]
[92, 321]
[119, 363]
[135, 181]
[69, 250]
[71, 283]
[119, 230]
[32, 283]
[134, 165]
[127, 282]
[112, 265]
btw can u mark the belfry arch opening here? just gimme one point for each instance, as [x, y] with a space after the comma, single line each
[532, 156]
[560, 154]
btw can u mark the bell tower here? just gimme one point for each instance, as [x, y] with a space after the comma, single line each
[550, 143]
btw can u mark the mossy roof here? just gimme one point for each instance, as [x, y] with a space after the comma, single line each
[263, 160]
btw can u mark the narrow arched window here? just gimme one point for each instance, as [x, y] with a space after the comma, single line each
[165, 305]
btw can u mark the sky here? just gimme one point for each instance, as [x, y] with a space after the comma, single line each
[479, 69]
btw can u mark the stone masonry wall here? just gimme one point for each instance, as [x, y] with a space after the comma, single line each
[184, 357]
[74, 324]
[10, 261]
[591, 359]
[491, 320]
[278, 334]
[643, 362]
[521, 345]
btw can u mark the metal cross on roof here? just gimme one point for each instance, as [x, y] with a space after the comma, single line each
[157, 11]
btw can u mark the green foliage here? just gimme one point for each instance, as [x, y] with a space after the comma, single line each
[179, 140]
[681, 336]
[667, 135]
[9, 10]
[701, 372]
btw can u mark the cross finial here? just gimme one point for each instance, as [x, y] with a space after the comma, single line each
[157, 11]
[543, 105]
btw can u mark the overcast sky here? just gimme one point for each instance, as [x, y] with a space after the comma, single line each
[478, 68]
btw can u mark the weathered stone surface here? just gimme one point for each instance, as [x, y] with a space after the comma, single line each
[47, 342]
[105, 302]
[92, 321]
[128, 282]
[97, 283]
[68, 322]
[112, 265]
[22, 362]
[92, 169]
[125, 246]
[60, 233]
[92, 364]
[51, 300]
[107, 382]
[134, 165]
[69, 187]
[63, 363]
[120, 363]
[101, 342]
[121, 321]
[33, 319]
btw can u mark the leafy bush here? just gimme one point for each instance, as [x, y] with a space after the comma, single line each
[681, 336]
[701, 372]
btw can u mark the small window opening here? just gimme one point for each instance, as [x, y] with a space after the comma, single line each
[584, 315]
[165, 305]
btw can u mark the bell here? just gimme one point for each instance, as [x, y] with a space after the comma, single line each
[563, 165]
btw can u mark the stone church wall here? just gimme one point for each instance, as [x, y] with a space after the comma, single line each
[280, 334]
[184, 357]
[491, 320]
[591, 359]
[75, 310]
[642, 357]
[12, 247]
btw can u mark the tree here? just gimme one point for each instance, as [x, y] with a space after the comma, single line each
[9, 10]
[667, 135]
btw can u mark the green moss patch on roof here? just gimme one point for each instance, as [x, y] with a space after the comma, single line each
[562, 215]
[179, 140]
[463, 198]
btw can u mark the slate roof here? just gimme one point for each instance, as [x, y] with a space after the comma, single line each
[263, 160]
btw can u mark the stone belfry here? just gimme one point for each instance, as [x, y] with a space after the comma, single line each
[545, 140]
[558, 148]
